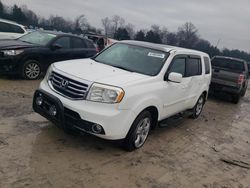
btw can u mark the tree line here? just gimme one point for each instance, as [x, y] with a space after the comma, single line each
[116, 27]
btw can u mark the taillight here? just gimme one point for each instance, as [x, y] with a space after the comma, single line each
[241, 79]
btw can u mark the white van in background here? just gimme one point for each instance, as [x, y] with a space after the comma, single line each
[11, 30]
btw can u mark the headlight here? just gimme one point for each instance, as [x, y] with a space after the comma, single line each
[104, 93]
[49, 71]
[12, 52]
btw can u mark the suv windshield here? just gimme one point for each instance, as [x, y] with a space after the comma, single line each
[133, 58]
[230, 64]
[37, 37]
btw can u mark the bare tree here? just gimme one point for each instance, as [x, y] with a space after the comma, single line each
[164, 35]
[81, 23]
[117, 22]
[187, 35]
[106, 23]
[130, 29]
[156, 29]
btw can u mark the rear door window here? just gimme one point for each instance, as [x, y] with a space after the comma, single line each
[228, 64]
[64, 42]
[77, 43]
[193, 67]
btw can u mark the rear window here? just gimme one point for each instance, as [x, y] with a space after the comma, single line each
[229, 64]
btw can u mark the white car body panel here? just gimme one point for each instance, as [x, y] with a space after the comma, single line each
[141, 91]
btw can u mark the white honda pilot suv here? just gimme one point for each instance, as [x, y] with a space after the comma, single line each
[124, 91]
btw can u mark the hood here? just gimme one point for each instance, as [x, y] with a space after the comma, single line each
[90, 70]
[14, 44]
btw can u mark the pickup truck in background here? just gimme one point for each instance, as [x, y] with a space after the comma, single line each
[229, 75]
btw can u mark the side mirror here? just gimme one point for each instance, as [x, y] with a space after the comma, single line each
[55, 47]
[175, 77]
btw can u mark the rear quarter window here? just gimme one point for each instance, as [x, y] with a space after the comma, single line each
[17, 29]
[207, 65]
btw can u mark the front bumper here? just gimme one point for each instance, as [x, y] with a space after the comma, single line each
[9, 65]
[53, 109]
[115, 122]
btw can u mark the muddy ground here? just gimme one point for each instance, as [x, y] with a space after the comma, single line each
[187, 153]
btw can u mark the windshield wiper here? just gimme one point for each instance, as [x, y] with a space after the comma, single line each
[123, 68]
[116, 66]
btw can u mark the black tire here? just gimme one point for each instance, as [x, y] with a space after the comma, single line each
[31, 69]
[130, 142]
[236, 98]
[244, 90]
[197, 109]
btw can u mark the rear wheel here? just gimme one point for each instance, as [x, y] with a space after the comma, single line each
[138, 132]
[31, 70]
[196, 111]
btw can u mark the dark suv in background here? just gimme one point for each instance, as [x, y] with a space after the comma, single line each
[229, 75]
[31, 54]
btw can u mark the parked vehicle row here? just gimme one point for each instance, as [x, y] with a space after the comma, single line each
[124, 91]
[31, 54]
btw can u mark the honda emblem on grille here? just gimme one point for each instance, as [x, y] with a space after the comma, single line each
[64, 83]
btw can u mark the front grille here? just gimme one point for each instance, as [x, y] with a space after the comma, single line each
[68, 87]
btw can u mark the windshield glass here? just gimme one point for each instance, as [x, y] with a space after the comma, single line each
[230, 64]
[133, 58]
[37, 37]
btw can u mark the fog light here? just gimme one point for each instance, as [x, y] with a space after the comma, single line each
[39, 100]
[97, 128]
[52, 110]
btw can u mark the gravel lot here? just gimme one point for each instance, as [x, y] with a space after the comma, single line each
[186, 153]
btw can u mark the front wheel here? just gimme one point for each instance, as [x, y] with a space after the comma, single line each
[138, 132]
[31, 70]
[196, 111]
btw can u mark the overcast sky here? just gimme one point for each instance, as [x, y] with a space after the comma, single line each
[227, 20]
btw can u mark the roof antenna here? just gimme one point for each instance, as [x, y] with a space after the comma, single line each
[218, 42]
